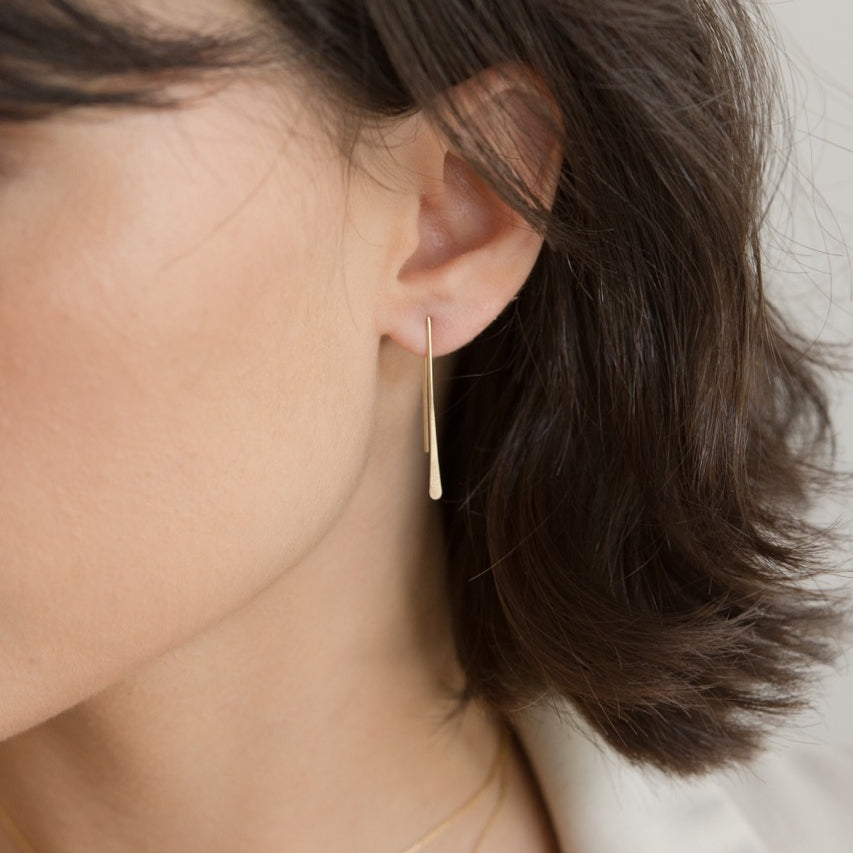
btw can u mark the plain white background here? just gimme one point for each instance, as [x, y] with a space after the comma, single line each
[814, 260]
[815, 277]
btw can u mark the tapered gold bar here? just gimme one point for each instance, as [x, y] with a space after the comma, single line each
[435, 489]
[425, 406]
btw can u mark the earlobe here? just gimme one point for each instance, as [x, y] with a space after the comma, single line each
[473, 251]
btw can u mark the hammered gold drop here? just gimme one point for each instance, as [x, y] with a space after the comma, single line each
[430, 432]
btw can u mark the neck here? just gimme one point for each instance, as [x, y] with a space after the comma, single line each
[314, 717]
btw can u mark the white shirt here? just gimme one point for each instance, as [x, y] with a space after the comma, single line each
[796, 798]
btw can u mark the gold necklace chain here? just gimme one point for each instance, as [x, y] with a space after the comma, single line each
[499, 802]
[9, 828]
[498, 768]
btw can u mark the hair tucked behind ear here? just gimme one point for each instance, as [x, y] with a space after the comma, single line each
[629, 448]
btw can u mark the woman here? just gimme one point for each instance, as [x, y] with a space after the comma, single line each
[233, 618]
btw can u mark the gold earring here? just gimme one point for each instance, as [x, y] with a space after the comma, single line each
[430, 440]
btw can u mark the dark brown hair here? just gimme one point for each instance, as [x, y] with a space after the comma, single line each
[630, 447]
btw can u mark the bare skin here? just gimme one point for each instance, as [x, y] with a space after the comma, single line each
[243, 739]
[224, 623]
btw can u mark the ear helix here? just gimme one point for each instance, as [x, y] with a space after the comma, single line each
[430, 439]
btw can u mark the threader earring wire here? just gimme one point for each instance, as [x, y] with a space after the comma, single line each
[430, 432]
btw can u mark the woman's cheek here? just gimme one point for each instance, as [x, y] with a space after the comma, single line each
[174, 378]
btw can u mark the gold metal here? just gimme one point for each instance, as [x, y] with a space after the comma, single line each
[430, 432]
[498, 768]
[497, 807]
[9, 829]
[426, 405]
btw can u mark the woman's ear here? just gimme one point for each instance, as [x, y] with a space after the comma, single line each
[473, 251]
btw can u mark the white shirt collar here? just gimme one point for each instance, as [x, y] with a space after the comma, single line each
[599, 803]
